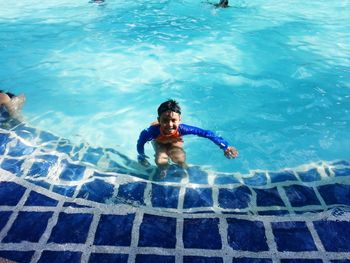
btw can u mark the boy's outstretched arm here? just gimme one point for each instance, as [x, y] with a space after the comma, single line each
[229, 151]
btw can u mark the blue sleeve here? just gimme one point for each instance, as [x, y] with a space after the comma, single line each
[145, 136]
[187, 129]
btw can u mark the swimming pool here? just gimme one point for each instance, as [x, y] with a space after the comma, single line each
[271, 77]
[267, 76]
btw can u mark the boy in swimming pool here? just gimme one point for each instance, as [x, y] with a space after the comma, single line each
[166, 136]
[12, 103]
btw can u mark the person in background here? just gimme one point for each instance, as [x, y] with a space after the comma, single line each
[222, 3]
[12, 103]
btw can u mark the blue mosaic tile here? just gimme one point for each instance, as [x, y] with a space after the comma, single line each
[64, 190]
[41, 183]
[39, 169]
[342, 162]
[114, 230]
[234, 198]
[251, 260]
[48, 158]
[335, 235]
[72, 172]
[71, 204]
[108, 258]
[198, 197]
[196, 259]
[283, 176]
[28, 226]
[12, 165]
[4, 139]
[201, 233]
[165, 227]
[197, 176]
[268, 197]
[132, 191]
[4, 115]
[17, 256]
[174, 175]
[42, 165]
[115, 167]
[335, 194]
[154, 258]
[225, 179]
[62, 232]
[341, 171]
[257, 179]
[10, 193]
[300, 260]
[4, 217]
[310, 176]
[20, 149]
[64, 146]
[97, 190]
[25, 132]
[47, 137]
[59, 256]
[277, 212]
[300, 195]
[293, 236]
[165, 196]
[93, 155]
[37, 199]
[240, 238]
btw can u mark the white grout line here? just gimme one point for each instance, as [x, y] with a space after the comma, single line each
[223, 227]
[91, 236]
[179, 240]
[134, 249]
[270, 240]
[181, 198]
[285, 199]
[229, 253]
[147, 195]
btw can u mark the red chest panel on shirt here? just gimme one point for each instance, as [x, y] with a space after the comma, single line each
[171, 138]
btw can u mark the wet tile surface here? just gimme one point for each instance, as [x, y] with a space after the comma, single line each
[190, 216]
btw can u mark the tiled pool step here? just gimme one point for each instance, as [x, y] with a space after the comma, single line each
[310, 188]
[37, 225]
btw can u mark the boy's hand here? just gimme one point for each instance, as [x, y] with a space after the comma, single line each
[231, 152]
[143, 160]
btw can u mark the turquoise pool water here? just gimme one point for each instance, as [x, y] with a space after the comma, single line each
[272, 77]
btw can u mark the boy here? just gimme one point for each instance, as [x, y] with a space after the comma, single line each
[166, 136]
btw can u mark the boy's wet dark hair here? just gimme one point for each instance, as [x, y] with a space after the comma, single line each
[169, 105]
[11, 95]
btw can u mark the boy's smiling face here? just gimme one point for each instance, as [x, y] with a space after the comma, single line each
[169, 122]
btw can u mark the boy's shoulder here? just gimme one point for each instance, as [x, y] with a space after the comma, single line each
[154, 128]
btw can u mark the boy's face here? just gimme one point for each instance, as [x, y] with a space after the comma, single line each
[169, 122]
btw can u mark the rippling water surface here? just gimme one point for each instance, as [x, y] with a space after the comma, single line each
[272, 77]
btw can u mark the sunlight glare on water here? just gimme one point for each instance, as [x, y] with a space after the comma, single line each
[272, 77]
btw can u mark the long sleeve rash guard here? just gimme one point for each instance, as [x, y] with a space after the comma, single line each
[152, 132]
